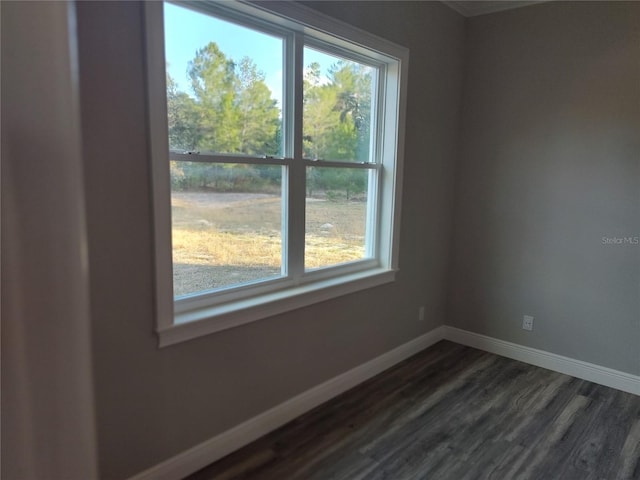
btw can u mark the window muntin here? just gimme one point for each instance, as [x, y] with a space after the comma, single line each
[299, 283]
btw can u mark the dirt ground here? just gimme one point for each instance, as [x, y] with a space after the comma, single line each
[215, 199]
[224, 239]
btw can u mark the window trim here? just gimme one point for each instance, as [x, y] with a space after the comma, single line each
[180, 321]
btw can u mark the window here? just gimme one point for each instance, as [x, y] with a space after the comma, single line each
[276, 145]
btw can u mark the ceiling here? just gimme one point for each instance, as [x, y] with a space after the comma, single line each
[473, 8]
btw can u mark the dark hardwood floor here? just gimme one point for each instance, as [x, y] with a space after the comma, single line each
[453, 413]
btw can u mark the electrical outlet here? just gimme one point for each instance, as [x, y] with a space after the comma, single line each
[421, 314]
[527, 322]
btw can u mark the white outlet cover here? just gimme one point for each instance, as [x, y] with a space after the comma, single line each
[527, 322]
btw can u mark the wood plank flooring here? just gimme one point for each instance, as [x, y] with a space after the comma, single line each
[453, 412]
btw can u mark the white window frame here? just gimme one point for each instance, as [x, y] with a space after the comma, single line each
[198, 315]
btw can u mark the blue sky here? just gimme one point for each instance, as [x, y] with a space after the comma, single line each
[187, 31]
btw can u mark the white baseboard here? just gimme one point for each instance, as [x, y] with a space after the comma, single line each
[211, 450]
[569, 366]
[227, 442]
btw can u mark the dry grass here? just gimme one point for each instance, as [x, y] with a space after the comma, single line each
[211, 247]
[236, 231]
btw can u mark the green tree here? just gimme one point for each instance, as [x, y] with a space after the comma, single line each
[319, 114]
[258, 113]
[353, 83]
[182, 116]
[231, 111]
[337, 113]
[183, 136]
[214, 84]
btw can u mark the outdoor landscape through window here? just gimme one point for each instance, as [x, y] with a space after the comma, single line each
[225, 235]
[224, 97]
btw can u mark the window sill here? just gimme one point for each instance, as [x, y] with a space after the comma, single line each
[205, 321]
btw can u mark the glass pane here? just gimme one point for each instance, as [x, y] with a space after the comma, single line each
[336, 216]
[224, 85]
[227, 225]
[338, 101]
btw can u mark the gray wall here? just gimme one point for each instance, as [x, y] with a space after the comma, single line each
[153, 404]
[46, 382]
[550, 164]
